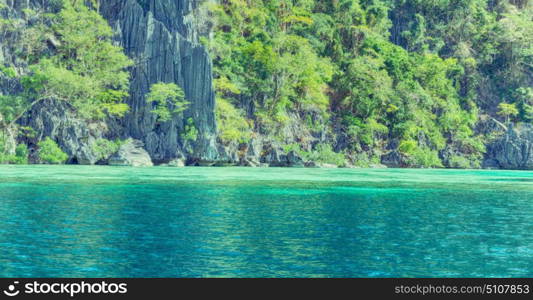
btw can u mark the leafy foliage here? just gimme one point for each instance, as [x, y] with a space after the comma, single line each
[71, 58]
[507, 110]
[324, 154]
[50, 153]
[371, 72]
[104, 148]
[20, 156]
[85, 70]
[168, 98]
[261, 59]
[232, 125]
[191, 133]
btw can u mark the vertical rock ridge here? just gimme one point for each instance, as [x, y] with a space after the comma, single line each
[163, 39]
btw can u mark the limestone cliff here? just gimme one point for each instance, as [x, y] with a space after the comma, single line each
[163, 39]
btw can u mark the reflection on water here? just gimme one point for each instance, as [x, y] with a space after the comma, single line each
[161, 222]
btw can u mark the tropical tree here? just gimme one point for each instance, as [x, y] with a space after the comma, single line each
[507, 111]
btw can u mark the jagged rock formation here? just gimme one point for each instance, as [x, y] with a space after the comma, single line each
[512, 150]
[393, 159]
[74, 136]
[163, 39]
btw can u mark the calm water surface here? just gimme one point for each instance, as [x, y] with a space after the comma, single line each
[74, 221]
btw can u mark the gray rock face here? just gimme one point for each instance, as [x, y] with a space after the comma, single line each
[294, 160]
[131, 154]
[513, 150]
[393, 159]
[163, 39]
[75, 137]
[274, 157]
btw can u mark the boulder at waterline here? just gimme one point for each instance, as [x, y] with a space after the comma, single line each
[131, 154]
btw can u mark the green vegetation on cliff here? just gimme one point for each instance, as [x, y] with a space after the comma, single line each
[408, 83]
[50, 153]
[374, 76]
[64, 53]
[69, 57]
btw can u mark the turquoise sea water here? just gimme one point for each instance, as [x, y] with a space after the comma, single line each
[75, 221]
